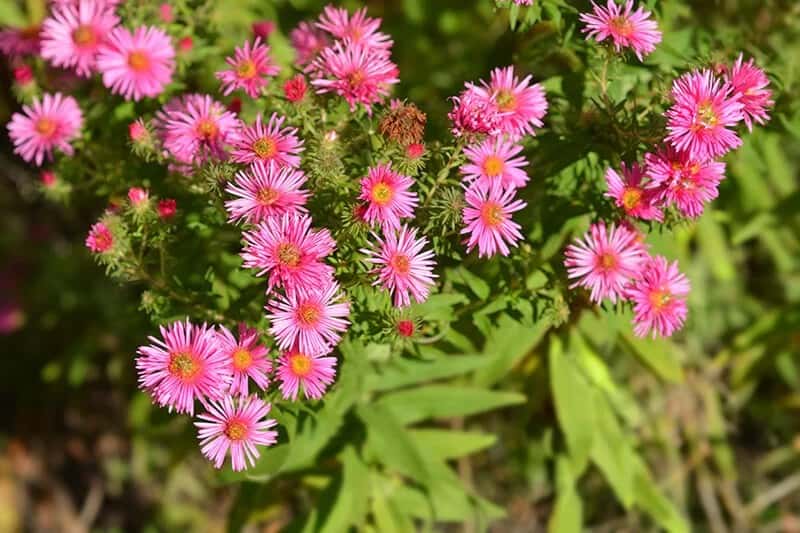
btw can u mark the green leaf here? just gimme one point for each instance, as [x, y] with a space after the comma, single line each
[401, 372]
[445, 444]
[658, 354]
[352, 498]
[567, 516]
[507, 344]
[611, 451]
[390, 443]
[476, 284]
[652, 501]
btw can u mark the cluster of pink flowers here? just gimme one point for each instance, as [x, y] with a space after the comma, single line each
[625, 27]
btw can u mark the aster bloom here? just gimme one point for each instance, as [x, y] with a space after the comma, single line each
[263, 191]
[524, 2]
[286, 248]
[750, 83]
[185, 365]
[356, 29]
[388, 197]
[139, 64]
[295, 88]
[308, 41]
[47, 124]
[250, 67]
[167, 208]
[197, 128]
[473, 113]
[313, 372]
[704, 108]
[604, 261]
[238, 427]
[20, 41]
[137, 196]
[495, 159]
[487, 218]
[357, 73]
[72, 35]
[626, 29]
[630, 193]
[678, 179]
[99, 240]
[659, 298]
[403, 267]
[268, 143]
[311, 321]
[521, 104]
[246, 358]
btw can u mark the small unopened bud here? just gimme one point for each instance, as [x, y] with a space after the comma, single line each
[165, 13]
[295, 88]
[263, 28]
[23, 74]
[235, 105]
[405, 328]
[167, 208]
[48, 178]
[137, 131]
[415, 150]
[137, 196]
[185, 44]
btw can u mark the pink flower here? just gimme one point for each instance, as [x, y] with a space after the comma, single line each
[521, 105]
[659, 298]
[415, 150]
[23, 74]
[197, 128]
[310, 320]
[100, 239]
[678, 179]
[627, 30]
[263, 29]
[605, 261]
[487, 217]
[73, 34]
[359, 74]
[236, 426]
[50, 123]
[185, 44]
[473, 113]
[48, 178]
[137, 131]
[167, 208]
[20, 41]
[286, 248]
[403, 268]
[246, 358]
[388, 197]
[295, 88]
[185, 366]
[165, 13]
[250, 67]
[268, 143]
[703, 110]
[264, 191]
[137, 196]
[524, 2]
[358, 29]
[750, 83]
[139, 64]
[313, 372]
[308, 41]
[495, 159]
[406, 328]
[630, 193]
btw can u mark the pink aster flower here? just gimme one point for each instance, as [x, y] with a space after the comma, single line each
[16, 42]
[388, 197]
[521, 104]
[495, 159]
[185, 366]
[246, 358]
[139, 64]
[295, 88]
[626, 29]
[357, 29]
[659, 298]
[750, 83]
[630, 193]
[472, 113]
[287, 249]
[357, 73]
[197, 128]
[73, 34]
[604, 261]
[237, 426]
[313, 372]
[310, 320]
[138, 196]
[308, 41]
[678, 179]
[50, 123]
[402, 266]
[487, 217]
[524, 2]
[264, 191]
[251, 65]
[100, 239]
[703, 110]
[268, 143]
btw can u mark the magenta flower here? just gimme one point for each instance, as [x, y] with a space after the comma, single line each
[604, 261]
[287, 249]
[251, 65]
[137, 65]
[73, 34]
[50, 123]
[16, 42]
[678, 179]
[308, 41]
[495, 159]
[185, 366]
[703, 110]
[313, 372]
[138, 196]
[264, 191]
[659, 298]
[197, 128]
[388, 197]
[100, 239]
[750, 83]
[487, 217]
[246, 358]
[524, 2]
[626, 30]
[403, 267]
[521, 105]
[237, 426]
[268, 143]
[474, 114]
[311, 320]
[358, 29]
[630, 193]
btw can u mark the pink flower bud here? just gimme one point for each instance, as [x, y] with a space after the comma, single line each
[263, 29]
[165, 13]
[23, 74]
[167, 208]
[295, 88]
[48, 178]
[415, 150]
[137, 196]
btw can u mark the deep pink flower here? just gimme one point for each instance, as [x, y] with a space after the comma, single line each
[473, 113]
[268, 143]
[678, 179]
[521, 105]
[630, 193]
[403, 267]
[627, 29]
[388, 197]
[524, 2]
[251, 65]
[750, 83]
[406, 328]
[20, 41]
[185, 44]
[197, 128]
[137, 196]
[263, 29]
[47, 124]
[23, 74]
[659, 298]
[167, 208]
[264, 190]
[99, 240]
[313, 372]
[358, 29]
[308, 41]
[295, 88]
[137, 131]
[604, 261]
[237, 426]
[703, 110]
[487, 217]
[415, 150]
[48, 178]
[495, 159]
[185, 366]
[246, 358]
[165, 13]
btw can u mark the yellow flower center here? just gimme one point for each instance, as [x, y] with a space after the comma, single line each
[493, 166]
[631, 198]
[235, 430]
[492, 214]
[660, 298]
[400, 263]
[381, 194]
[356, 77]
[300, 364]
[138, 61]
[242, 359]
[183, 365]
[308, 314]
[706, 116]
[607, 261]
[267, 196]
[288, 254]
[622, 26]
[84, 36]
[265, 147]
[207, 128]
[46, 127]
[506, 101]
[246, 69]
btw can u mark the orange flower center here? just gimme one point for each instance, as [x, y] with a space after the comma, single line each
[242, 359]
[288, 254]
[400, 263]
[207, 128]
[660, 298]
[631, 198]
[308, 314]
[492, 214]
[706, 116]
[84, 36]
[506, 101]
[381, 194]
[246, 69]
[103, 241]
[265, 147]
[235, 430]
[138, 61]
[607, 261]
[356, 77]
[46, 127]
[267, 196]
[183, 365]
[622, 26]
[493, 166]
[300, 364]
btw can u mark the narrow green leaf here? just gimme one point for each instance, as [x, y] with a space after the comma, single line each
[567, 516]
[401, 372]
[611, 451]
[507, 344]
[660, 355]
[650, 499]
[390, 443]
[444, 444]
[352, 498]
